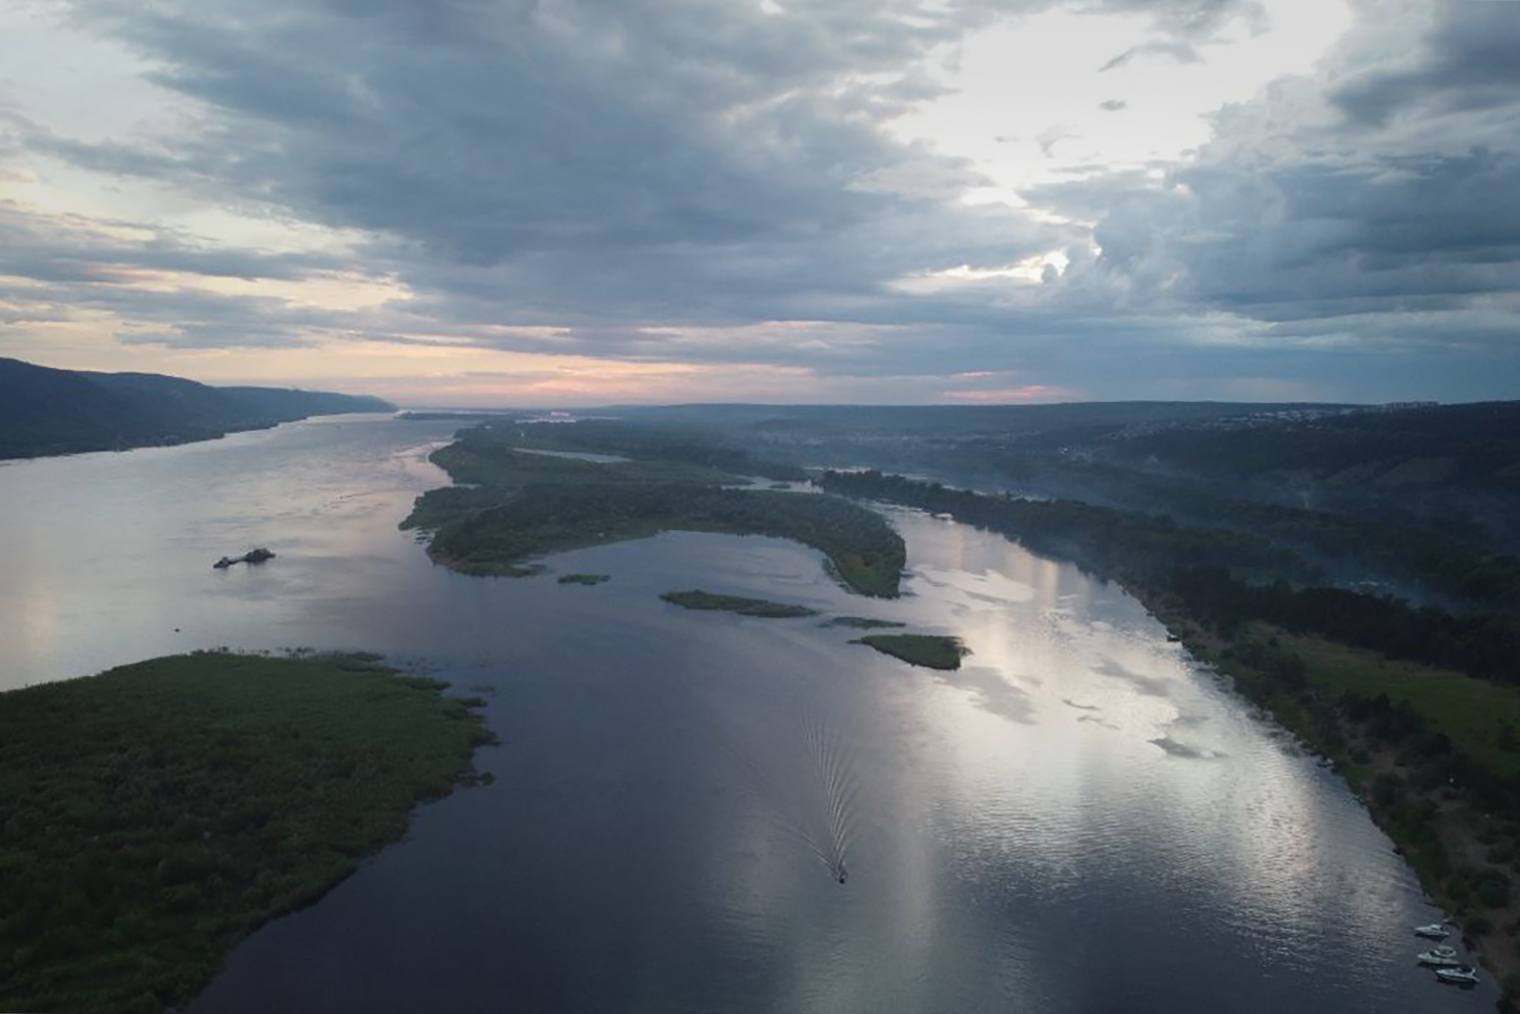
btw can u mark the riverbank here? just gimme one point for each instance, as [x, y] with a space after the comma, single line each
[1434, 752]
[158, 813]
[1391, 728]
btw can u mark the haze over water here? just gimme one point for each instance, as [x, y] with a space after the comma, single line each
[1078, 820]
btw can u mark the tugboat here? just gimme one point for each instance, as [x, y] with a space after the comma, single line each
[1433, 931]
[1462, 975]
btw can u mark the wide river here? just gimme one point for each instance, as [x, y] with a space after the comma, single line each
[1079, 820]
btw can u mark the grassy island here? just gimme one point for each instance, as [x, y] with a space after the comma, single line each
[861, 623]
[933, 651]
[519, 507]
[696, 599]
[584, 578]
[158, 813]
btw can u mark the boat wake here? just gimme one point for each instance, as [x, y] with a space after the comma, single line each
[814, 801]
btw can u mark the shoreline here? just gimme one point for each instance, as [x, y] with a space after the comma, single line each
[1360, 769]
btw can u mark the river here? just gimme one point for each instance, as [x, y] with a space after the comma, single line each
[1080, 819]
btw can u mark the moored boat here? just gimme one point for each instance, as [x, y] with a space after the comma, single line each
[1440, 957]
[1434, 931]
[1462, 975]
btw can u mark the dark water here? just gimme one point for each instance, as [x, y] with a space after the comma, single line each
[1078, 820]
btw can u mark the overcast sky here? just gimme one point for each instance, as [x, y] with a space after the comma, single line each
[563, 202]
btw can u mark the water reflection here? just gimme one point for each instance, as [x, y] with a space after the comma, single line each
[1078, 820]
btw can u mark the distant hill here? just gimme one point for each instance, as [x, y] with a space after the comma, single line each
[957, 421]
[1473, 445]
[45, 411]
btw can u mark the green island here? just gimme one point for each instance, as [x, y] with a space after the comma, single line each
[584, 578]
[697, 599]
[158, 813]
[644, 442]
[861, 623]
[1417, 707]
[932, 651]
[518, 507]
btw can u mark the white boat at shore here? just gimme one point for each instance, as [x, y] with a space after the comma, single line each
[1463, 975]
[1434, 931]
[1440, 957]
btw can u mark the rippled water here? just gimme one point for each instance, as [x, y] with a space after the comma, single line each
[1077, 820]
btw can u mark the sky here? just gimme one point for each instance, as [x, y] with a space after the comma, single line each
[583, 202]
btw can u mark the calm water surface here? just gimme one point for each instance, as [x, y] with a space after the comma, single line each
[1078, 820]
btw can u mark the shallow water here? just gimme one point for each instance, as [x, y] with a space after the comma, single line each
[1077, 820]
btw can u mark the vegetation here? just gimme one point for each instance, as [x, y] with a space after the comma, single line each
[156, 814]
[641, 441]
[492, 474]
[861, 623]
[1423, 500]
[524, 506]
[478, 458]
[584, 578]
[1223, 577]
[1103, 540]
[696, 599]
[1474, 444]
[1485, 645]
[1455, 558]
[933, 651]
[45, 411]
[862, 548]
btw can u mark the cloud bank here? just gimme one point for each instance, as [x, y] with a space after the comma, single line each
[716, 186]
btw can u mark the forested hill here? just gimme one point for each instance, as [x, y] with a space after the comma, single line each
[1475, 445]
[45, 411]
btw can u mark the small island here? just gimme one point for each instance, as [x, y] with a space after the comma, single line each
[159, 813]
[697, 599]
[932, 651]
[861, 623]
[584, 578]
[251, 557]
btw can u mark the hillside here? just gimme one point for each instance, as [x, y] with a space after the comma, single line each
[45, 411]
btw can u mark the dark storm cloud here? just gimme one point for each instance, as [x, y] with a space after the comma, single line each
[591, 164]
[1400, 217]
[490, 132]
[1401, 229]
[1468, 62]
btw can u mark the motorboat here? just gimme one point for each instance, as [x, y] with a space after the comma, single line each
[1462, 975]
[1440, 957]
[1434, 931]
